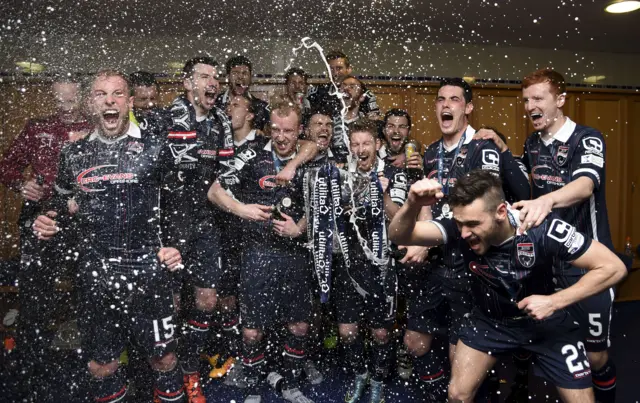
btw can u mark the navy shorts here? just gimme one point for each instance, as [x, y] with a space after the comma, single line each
[593, 314]
[203, 262]
[438, 304]
[375, 306]
[119, 307]
[425, 302]
[231, 263]
[274, 288]
[559, 355]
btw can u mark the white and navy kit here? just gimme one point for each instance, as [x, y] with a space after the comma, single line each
[200, 148]
[576, 151]
[275, 278]
[116, 183]
[520, 267]
[361, 292]
[446, 165]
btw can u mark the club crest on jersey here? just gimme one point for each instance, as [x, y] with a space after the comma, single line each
[562, 155]
[462, 156]
[526, 254]
[268, 181]
[135, 148]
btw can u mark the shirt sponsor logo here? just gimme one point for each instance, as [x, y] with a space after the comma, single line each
[208, 153]
[526, 254]
[92, 176]
[593, 145]
[490, 160]
[268, 181]
[543, 174]
[566, 234]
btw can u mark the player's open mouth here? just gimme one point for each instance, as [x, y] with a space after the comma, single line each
[210, 95]
[446, 116]
[111, 116]
[536, 116]
[473, 242]
[241, 88]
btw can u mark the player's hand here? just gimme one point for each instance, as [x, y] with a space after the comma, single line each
[488, 134]
[32, 191]
[286, 227]
[533, 212]
[72, 205]
[425, 192]
[256, 212]
[384, 182]
[286, 175]
[45, 227]
[171, 258]
[415, 162]
[538, 307]
[415, 254]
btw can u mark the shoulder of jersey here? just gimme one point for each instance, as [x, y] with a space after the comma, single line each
[432, 145]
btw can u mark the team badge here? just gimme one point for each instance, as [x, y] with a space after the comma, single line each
[562, 155]
[526, 254]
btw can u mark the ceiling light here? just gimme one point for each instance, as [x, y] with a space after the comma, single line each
[30, 67]
[594, 79]
[622, 6]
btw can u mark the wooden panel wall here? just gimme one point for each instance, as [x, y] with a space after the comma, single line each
[615, 113]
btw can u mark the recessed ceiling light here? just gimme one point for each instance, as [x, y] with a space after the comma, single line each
[594, 79]
[622, 6]
[30, 67]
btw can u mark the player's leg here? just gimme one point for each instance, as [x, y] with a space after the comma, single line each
[469, 369]
[169, 379]
[204, 266]
[560, 357]
[425, 316]
[594, 315]
[576, 395]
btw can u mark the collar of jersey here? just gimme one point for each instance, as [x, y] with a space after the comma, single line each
[268, 147]
[563, 134]
[132, 131]
[468, 136]
[250, 137]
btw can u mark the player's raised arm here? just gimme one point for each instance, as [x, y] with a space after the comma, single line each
[405, 230]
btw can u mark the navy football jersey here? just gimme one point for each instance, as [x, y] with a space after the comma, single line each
[200, 148]
[366, 274]
[116, 183]
[251, 180]
[473, 154]
[519, 267]
[576, 151]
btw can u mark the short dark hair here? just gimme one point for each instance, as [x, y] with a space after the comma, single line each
[458, 82]
[238, 61]
[142, 79]
[295, 71]
[502, 136]
[364, 125]
[397, 112]
[336, 54]
[250, 105]
[318, 109]
[474, 185]
[190, 65]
